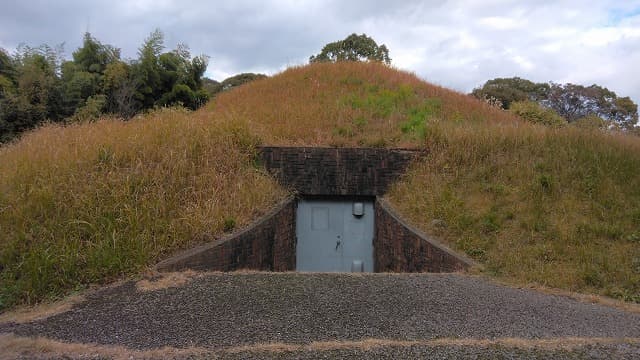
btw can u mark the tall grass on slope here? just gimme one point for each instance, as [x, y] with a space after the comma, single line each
[90, 203]
[556, 207]
[347, 104]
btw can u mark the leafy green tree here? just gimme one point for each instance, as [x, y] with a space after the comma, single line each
[509, 90]
[94, 56]
[147, 70]
[83, 77]
[241, 79]
[168, 78]
[7, 73]
[91, 110]
[570, 101]
[120, 88]
[353, 48]
[78, 86]
[577, 101]
[34, 92]
[36, 85]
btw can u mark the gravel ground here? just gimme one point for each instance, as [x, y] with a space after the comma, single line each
[218, 311]
[394, 353]
[454, 352]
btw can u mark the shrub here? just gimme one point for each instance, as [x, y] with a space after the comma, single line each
[536, 113]
[591, 122]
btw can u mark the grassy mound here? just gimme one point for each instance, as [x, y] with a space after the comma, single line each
[349, 104]
[552, 206]
[89, 203]
[559, 208]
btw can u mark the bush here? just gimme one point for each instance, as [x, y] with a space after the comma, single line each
[91, 111]
[535, 113]
[591, 122]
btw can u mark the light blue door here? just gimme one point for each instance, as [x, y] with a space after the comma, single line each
[334, 235]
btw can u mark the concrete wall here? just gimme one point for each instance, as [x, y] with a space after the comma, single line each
[336, 171]
[268, 244]
[399, 247]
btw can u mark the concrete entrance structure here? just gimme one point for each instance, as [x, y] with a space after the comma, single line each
[327, 174]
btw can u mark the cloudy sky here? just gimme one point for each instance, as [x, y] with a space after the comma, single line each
[458, 44]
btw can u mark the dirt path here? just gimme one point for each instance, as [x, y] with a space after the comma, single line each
[267, 315]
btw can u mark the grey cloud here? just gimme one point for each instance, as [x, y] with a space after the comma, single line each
[456, 43]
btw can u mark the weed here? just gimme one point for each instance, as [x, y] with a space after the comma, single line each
[490, 222]
[545, 182]
[229, 224]
[634, 237]
[344, 131]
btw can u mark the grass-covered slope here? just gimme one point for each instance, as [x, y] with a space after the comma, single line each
[557, 207]
[535, 206]
[349, 104]
[89, 203]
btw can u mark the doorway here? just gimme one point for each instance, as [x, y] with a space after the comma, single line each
[335, 235]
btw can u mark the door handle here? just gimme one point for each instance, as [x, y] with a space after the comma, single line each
[337, 245]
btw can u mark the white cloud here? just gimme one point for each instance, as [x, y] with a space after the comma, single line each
[500, 23]
[456, 43]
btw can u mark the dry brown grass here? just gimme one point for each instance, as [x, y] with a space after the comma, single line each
[589, 298]
[14, 346]
[42, 311]
[166, 280]
[24, 347]
[91, 203]
[345, 104]
[564, 343]
[554, 207]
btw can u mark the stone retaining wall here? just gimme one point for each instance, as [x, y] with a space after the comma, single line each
[336, 171]
[399, 247]
[268, 244]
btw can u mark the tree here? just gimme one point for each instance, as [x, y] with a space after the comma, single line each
[119, 87]
[353, 48]
[78, 86]
[94, 56]
[7, 73]
[83, 77]
[212, 87]
[576, 101]
[147, 70]
[36, 85]
[32, 95]
[168, 78]
[570, 101]
[240, 79]
[509, 90]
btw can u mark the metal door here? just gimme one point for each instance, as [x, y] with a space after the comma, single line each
[334, 235]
